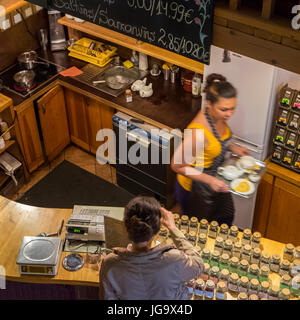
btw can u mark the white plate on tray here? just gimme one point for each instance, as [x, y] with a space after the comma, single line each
[236, 182]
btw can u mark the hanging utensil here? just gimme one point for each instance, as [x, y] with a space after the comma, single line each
[28, 60]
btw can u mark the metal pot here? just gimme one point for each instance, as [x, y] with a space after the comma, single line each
[24, 79]
[28, 60]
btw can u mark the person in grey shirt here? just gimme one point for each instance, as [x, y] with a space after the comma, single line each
[143, 271]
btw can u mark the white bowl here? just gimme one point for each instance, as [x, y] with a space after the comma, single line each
[247, 162]
[78, 20]
[254, 177]
[68, 16]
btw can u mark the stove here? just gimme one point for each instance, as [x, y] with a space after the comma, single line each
[44, 74]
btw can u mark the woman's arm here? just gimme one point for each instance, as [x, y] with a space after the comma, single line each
[240, 151]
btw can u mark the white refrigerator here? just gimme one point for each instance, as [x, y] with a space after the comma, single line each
[257, 84]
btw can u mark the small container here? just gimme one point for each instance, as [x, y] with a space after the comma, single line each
[206, 255]
[264, 273]
[128, 95]
[253, 297]
[205, 273]
[255, 240]
[224, 261]
[214, 274]
[233, 233]
[255, 257]
[219, 244]
[213, 229]
[242, 296]
[215, 258]
[221, 291]
[209, 290]
[244, 284]
[192, 237]
[244, 266]
[234, 265]
[233, 283]
[203, 228]
[273, 293]
[253, 271]
[246, 253]
[285, 282]
[184, 223]
[295, 287]
[265, 260]
[253, 286]
[228, 247]
[237, 250]
[199, 289]
[191, 287]
[223, 232]
[224, 275]
[246, 239]
[194, 224]
[285, 294]
[284, 267]
[289, 252]
[263, 290]
[275, 263]
[202, 240]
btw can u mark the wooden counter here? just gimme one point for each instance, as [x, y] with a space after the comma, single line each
[11, 5]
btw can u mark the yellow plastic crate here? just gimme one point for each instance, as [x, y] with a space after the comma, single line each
[80, 50]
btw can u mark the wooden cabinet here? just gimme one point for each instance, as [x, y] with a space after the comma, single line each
[29, 138]
[54, 122]
[77, 117]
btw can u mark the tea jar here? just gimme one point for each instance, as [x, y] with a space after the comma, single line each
[284, 267]
[237, 250]
[233, 233]
[246, 253]
[285, 294]
[215, 258]
[255, 256]
[288, 253]
[224, 261]
[273, 293]
[275, 263]
[234, 265]
[242, 296]
[199, 289]
[206, 255]
[223, 232]
[221, 291]
[264, 273]
[253, 271]
[244, 266]
[192, 237]
[214, 274]
[265, 259]
[203, 228]
[219, 244]
[202, 240]
[228, 247]
[285, 281]
[255, 240]
[213, 229]
[194, 224]
[184, 223]
[263, 290]
[253, 286]
[206, 269]
[224, 275]
[246, 238]
[244, 284]
[209, 290]
[233, 281]
[253, 297]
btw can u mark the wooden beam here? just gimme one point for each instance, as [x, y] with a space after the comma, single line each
[268, 9]
[234, 4]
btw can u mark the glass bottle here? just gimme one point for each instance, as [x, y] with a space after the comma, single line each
[128, 95]
[264, 273]
[206, 255]
[237, 250]
[244, 266]
[289, 252]
[214, 259]
[244, 284]
[184, 223]
[223, 233]
[192, 237]
[265, 259]
[253, 297]
[214, 274]
[285, 282]
[233, 286]
[213, 229]
[295, 287]
[224, 275]
[234, 265]
[205, 273]
[242, 296]
[224, 261]
[233, 233]
[255, 240]
[246, 239]
[228, 247]
[194, 224]
[253, 286]
[275, 263]
[285, 294]
[202, 240]
[255, 257]
[199, 289]
[209, 290]
[297, 253]
[221, 291]
[190, 286]
[284, 267]
[253, 271]
[246, 253]
[219, 244]
[263, 291]
[273, 293]
[203, 226]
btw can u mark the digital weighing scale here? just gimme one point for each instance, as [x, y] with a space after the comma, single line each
[39, 255]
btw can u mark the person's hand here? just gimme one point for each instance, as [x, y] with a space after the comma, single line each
[167, 218]
[240, 151]
[218, 185]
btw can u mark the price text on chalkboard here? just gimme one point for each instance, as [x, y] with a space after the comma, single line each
[180, 26]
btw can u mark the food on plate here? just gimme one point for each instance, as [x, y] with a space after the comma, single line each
[242, 186]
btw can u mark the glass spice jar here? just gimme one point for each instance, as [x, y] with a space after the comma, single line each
[194, 224]
[233, 233]
[246, 253]
[221, 291]
[253, 297]
[184, 223]
[213, 229]
[255, 240]
[244, 266]
[255, 256]
[288, 253]
[253, 271]
[253, 286]
[203, 226]
[275, 263]
[264, 273]
[246, 239]
[128, 95]
[233, 285]
[223, 232]
[209, 290]
[263, 291]
[224, 275]
[205, 274]
[273, 293]
[192, 237]
[219, 244]
[228, 247]
[265, 260]
[234, 265]
[237, 250]
[214, 274]
[202, 240]
[285, 282]
[285, 294]
[199, 289]
[295, 287]
[242, 296]
[224, 261]
[214, 259]
[206, 255]
[284, 267]
[244, 284]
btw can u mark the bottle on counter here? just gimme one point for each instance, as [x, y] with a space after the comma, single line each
[177, 220]
[253, 287]
[202, 240]
[234, 265]
[244, 267]
[224, 275]
[285, 294]
[255, 240]
[253, 297]
[199, 289]
[213, 229]
[205, 273]
[233, 233]
[264, 273]
[191, 287]
[246, 239]
[256, 255]
[265, 260]
[134, 58]
[285, 282]
[184, 223]
[192, 237]
[284, 267]
[275, 263]
[253, 271]
[228, 247]
[196, 85]
[273, 293]
[224, 261]
[237, 250]
[221, 291]
[214, 274]
[215, 258]
[223, 232]
[233, 283]
[209, 290]
[206, 255]
[203, 226]
[219, 243]
[194, 224]
[246, 253]
[128, 95]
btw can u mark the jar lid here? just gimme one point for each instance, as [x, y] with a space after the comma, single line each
[176, 216]
[206, 266]
[290, 246]
[276, 257]
[253, 297]
[203, 221]
[225, 256]
[210, 284]
[247, 232]
[228, 242]
[285, 263]
[237, 244]
[202, 236]
[192, 234]
[285, 291]
[234, 276]
[254, 282]
[216, 253]
[221, 285]
[265, 284]
[194, 219]
[265, 269]
[244, 279]
[234, 228]
[214, 224]
[275, 289]
[184, 218]
[200, 282]
[243, 296]
[215, 269]
[244, 262]
[247, 247]
[286, 277]
[206, 251]
[128, 91]
[224, 226]
[254, 266]
[257, 234]
[257, 251]
[234, 260]
[225, 272]
[265, 255]
[219, 239]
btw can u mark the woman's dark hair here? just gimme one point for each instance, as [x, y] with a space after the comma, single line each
[218, 87]
[142, 218]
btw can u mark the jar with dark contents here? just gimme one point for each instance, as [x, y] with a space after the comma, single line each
[255, 240]
[255, 256]
[253, 286]
[237, 250]
[192, 237]
[288, 253]
[194, 224]
[273, 293]
[233, 233]
[263, 290]
[223, 232]
[285, 294]
[214, 274]
[224, 275]
[253, 297]
[275, 263]
[184, 223]
[219, 243]
[206, 255]
[203, 228]
[213, 229]
[264, 273]
[199, 289]
[244, 284]
[246, 253]
[246, 239]
[265, 260]
[242, 296]
[233, 285]
[221, 291]
[284, 267]
[202, 240]
[191, 287]
[209, 290]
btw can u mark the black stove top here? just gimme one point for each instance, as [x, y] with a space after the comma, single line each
[43, 74]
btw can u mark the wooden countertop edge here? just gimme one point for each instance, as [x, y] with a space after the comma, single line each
[11, 5]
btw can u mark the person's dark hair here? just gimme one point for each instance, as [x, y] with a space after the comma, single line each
[218, 87]
[142, 218]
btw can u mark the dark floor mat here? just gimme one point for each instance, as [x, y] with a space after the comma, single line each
[68, 185]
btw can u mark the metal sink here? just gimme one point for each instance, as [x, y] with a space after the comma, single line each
[93, 73]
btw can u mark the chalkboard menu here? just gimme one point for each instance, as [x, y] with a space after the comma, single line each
[180, 26]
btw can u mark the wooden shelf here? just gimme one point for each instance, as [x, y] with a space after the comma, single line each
[4, 102]
[134, 44]
[11, 5]
[8, 144]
